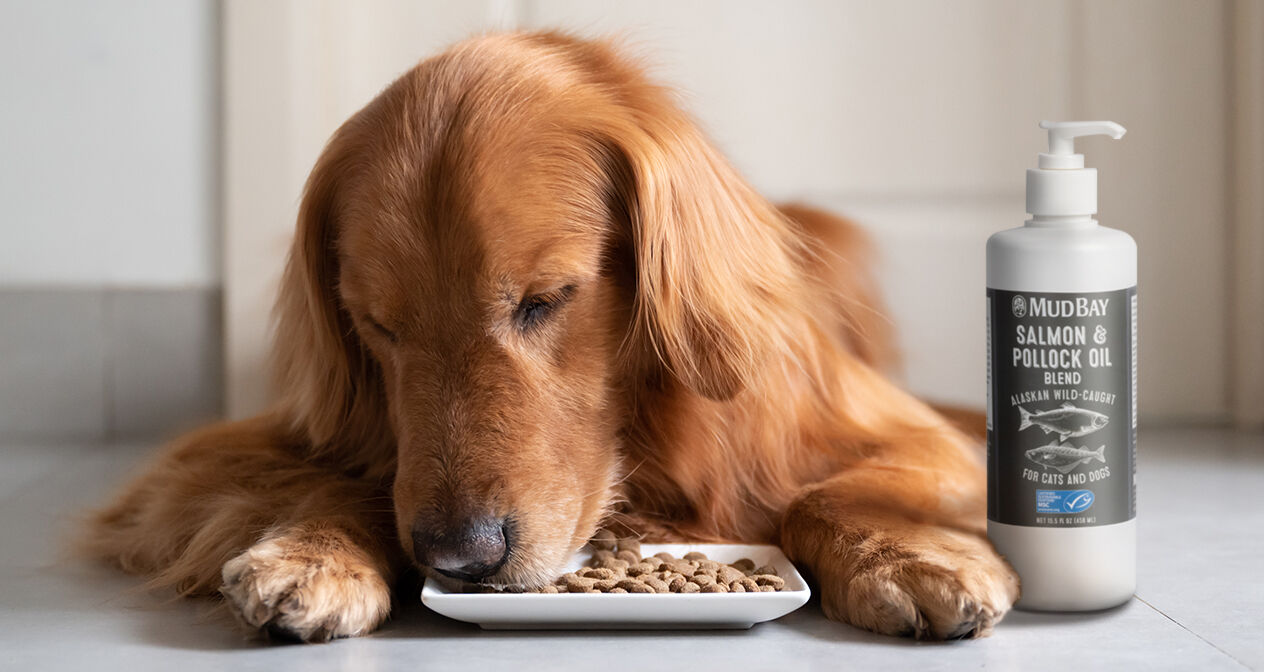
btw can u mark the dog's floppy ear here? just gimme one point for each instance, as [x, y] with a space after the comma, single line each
[712, 258]
[328, 383]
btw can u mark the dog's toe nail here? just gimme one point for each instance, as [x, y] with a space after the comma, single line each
[921, 627]
[965, 630]
[281, 634]
[978, 623]
[320, 636]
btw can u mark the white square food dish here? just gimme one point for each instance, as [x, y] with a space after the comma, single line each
[589, 611]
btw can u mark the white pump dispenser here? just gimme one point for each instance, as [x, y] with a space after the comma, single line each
[1062, 395]
[1061, 185]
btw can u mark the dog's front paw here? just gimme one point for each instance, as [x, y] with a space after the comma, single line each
[931, 584]
[297, 588]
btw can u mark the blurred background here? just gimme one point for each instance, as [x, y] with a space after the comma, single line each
[152, 155]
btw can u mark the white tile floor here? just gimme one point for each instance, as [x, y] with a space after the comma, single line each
[1200, 605]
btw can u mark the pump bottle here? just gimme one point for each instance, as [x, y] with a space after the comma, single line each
[1062, 395]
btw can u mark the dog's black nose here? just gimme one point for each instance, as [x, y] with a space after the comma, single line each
[471, 550]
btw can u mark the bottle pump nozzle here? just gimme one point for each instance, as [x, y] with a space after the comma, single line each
[1062, 135]
[1060, 185]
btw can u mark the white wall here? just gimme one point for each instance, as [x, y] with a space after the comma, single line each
[108, 143]
[915, 117]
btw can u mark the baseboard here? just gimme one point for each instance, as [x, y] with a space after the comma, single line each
[103, 364]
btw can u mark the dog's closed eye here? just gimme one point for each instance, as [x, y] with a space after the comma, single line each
[534, 309]
[381, 330]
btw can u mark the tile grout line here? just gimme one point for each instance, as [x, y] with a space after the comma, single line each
[1206, 641]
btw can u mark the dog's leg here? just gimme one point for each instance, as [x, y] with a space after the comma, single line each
[898, 545]
[298, 550]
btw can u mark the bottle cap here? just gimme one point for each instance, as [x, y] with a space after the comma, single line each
[1060, 185]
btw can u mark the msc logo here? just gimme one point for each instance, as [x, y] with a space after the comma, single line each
[1018, 305]
[1077, 501]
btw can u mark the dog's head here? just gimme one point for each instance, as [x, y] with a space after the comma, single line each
[493, 260]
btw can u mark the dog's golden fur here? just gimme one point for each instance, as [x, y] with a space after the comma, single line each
[691, 363]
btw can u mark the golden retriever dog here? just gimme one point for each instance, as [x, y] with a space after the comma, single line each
[528, 299]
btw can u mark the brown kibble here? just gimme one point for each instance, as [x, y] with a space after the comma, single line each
[619, 566]
[728, 574]
[620, 572]
[769, 580]
[632, 545]
[639, 569]
[603, 540]
[600, 573]
[681, 567]
[659, 585]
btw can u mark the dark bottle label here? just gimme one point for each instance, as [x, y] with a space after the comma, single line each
[1062, 430]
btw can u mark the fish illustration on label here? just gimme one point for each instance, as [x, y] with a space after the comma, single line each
[1065, 458]
[1066, 421]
